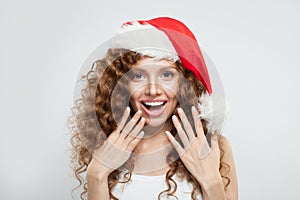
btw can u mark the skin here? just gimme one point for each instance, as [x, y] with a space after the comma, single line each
[154, 80]
[200, 159]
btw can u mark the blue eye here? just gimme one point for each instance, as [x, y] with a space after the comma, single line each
[167, 75]
[137, 76]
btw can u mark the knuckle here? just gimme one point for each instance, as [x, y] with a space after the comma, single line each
[130, 135]
[124, 132]
[131, 145]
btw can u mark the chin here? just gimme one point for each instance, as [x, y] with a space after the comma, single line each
[157, 122]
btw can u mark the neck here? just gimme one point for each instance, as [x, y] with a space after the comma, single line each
[154, 139]
[151, 152]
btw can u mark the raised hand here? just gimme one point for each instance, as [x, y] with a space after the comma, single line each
[118, 147]
[199, 158]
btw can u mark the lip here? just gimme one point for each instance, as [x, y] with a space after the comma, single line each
[148, 112]
[152, 100]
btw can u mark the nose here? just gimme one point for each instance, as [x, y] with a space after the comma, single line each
[153, 89]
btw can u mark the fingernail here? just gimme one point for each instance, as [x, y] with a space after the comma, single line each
[139, 112]
[175, 118]
[193, 108]
[127, 108]
[179, 110]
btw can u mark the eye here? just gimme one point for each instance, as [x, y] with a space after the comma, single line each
[167, 75]
[137, 76]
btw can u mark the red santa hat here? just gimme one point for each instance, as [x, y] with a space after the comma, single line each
[181, 39]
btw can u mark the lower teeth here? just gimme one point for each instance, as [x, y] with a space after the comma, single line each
[154, 107]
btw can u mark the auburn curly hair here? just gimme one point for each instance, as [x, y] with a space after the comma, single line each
[93, 119]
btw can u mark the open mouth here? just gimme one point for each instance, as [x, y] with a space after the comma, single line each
[154, 109]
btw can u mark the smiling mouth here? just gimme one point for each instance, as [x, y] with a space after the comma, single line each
[154, 109]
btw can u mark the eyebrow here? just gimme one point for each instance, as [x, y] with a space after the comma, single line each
[168, 67]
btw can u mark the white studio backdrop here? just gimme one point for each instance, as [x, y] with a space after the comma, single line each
[254, 45]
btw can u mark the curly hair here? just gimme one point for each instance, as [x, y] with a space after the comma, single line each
[93, 119]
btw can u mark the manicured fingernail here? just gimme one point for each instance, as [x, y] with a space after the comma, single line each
[143, 119]
[193, 108]
[139, 112]
[180, 110]
[127, 108]
[175, 118]
[168, 132]
[140, 135]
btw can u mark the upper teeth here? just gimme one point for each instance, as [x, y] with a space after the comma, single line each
[158, 103]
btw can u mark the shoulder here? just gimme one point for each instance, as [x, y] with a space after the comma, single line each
[226, 150]
[227, 169]
[224, 144]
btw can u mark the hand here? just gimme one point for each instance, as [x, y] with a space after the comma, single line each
[118, 147]
[199, 158]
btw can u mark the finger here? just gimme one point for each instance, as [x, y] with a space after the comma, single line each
[215, 142]
[174, 143]
[132, 144]
[113, 137]
[182, 135]
[123, 120]
[135, 131]
[186, 124]
[198, 124]
[129, 126]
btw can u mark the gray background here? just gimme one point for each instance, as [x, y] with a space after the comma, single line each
[253, 44]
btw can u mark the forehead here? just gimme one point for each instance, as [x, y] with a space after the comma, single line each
[152, 63]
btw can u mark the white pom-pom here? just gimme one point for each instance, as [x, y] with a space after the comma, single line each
[213, 113]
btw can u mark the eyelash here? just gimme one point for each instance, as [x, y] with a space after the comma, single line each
[135, 75]
[170, 73]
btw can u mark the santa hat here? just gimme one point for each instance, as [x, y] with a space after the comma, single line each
[184, 43]
[165, 37]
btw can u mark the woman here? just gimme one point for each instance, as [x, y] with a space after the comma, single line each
[141, 129]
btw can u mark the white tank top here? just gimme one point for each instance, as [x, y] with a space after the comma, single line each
[148, 188]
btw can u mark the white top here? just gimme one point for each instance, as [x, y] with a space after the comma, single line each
[148, 188]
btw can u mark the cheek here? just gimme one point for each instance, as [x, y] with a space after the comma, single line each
[172, 89]
[134, 96]
[131, 89]
[172, 84]
[133, 104]
[135, 88]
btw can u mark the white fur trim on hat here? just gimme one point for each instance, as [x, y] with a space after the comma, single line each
[146, 40]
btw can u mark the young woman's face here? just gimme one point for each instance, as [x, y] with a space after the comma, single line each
[153, 85]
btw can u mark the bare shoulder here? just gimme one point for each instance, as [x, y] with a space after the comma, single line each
[230, 173]
[225, 144]
[226, 149]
